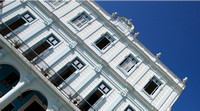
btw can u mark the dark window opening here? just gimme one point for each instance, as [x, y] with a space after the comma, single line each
[9, 107]
[65, 72]
[38, 48]
[13, 24]
[23, 95]
[104, 42]
[35, 106]
[10, 79]
[84, 106]
[152, 86]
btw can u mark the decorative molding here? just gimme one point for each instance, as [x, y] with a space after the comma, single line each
[98, 68]
[124, 92]
[72, 44]
[28, 79]
[125, 22]
[48, 21]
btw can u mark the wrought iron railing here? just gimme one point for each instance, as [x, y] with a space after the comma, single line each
[43, 67]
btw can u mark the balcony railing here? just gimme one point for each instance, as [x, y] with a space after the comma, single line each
[43, 67]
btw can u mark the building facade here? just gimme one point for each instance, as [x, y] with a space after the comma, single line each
[72, 55]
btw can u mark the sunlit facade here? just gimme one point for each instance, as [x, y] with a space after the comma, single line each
[72, 55]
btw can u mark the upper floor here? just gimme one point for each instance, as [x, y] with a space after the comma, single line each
[78, 45]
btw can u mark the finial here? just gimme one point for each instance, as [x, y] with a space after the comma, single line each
[114, 14]
[158, 54]
[185, 79]
[136, 34]
[129, 21]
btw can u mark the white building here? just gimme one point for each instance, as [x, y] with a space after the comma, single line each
[73, 55]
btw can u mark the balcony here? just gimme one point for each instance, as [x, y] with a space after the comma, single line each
[28, 54]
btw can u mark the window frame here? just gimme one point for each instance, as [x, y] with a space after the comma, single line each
[22, 26]
[147, 95]
[106, 35]
[82, 25]
[130, 70]
[54, 38]
[106, 86]
[95, 88]
[156, 81]
[73, 74]
[30, 14]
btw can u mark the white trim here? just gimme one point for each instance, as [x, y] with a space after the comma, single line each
[78, 29]
[84, 37]
[68, 10]
[58, 5]
[117, 52]
[164, 98]
[115, 101]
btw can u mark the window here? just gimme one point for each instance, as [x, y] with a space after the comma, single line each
[152, 86]
[13, 24]
[37, 49]
[128, 63]
[81, 20]
[103, 87]
[10, 79]
[16, 22]
[77, 63]
[41, 47]
[52, 39]
[9, 107]
[129, 108]
[66, 71]
[104, 41]
[94, 97]
[28, 16]
[55, 2]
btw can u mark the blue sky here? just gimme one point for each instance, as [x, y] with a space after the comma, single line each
[172, 28]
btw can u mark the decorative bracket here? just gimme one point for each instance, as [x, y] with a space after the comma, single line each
[124, 92]
[72, 44]
[48, 21]
[98, 68]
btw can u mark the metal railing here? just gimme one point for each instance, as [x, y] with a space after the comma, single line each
[43, 67]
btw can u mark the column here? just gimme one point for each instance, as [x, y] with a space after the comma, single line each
[14, 92]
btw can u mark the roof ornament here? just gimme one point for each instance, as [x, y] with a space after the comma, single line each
[125, 25]
[185, 79]
[114, 14]
[158, 55]
[136, 35]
